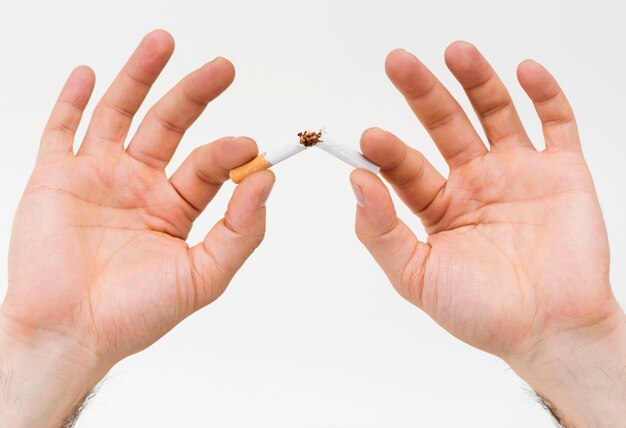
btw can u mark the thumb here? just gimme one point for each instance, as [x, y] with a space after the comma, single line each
[390, 241]
[232, 240]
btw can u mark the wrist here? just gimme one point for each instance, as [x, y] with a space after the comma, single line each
[44, 375]
[581, 373]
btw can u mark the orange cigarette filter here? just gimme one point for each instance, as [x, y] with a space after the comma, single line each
[259, 163]
[305, 139]
[269, 158]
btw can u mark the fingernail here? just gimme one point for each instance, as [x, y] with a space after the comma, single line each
[266, 194]
[358, 194]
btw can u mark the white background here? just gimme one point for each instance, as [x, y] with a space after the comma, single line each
[323, 341]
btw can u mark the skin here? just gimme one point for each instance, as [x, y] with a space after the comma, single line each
[516, 261]
[99, 267]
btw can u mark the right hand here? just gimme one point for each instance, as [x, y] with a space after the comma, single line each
[517, 260]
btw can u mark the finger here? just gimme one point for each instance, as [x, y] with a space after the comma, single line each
[555, 112]
[114, 113]
[201, 175]
[488, 96]
[233, 239]
[58, 135]
[413, 178]
[163, 127]
[436, 109]
[392, 244]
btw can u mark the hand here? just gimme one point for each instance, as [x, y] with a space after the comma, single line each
[99, 267]
[517, 259]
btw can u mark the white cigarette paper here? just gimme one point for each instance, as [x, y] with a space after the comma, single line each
[347, 154]
[266, 160]
[281, 153]
[272, 157]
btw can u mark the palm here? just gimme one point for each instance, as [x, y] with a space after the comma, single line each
[506, 262]
[98, 251]
[120, 231]
[507, 233]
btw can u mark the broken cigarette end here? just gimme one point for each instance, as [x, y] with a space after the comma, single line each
[259, 163]
[310, 138]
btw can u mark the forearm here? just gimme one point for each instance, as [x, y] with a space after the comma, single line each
[582, 375]
[44, 377]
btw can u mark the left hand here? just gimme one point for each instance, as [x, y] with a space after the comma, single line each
[99, 264]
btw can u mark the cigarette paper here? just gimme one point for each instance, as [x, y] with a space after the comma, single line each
[266, 160]
[306, 139]
[347, 154]
[281, 153]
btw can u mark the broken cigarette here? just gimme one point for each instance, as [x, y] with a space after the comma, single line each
[265, 160]
[305, 140]
[346, 153]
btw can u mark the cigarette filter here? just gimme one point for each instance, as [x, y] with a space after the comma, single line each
[306, 139]
[265, 160]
